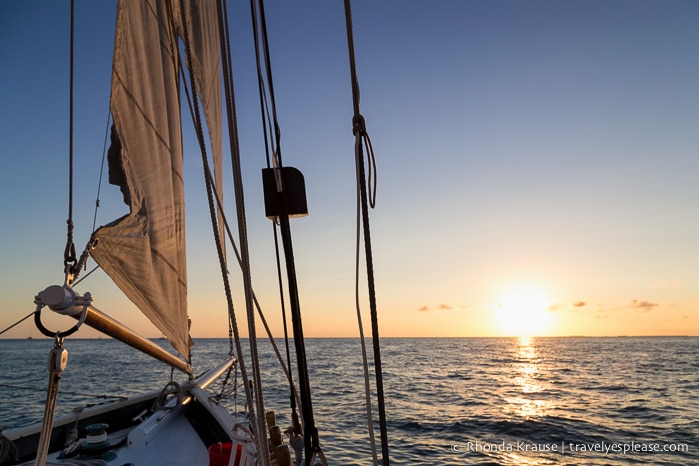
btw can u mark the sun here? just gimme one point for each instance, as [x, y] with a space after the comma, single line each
[523, 311]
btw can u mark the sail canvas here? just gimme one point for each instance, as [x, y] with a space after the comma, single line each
[144, 251]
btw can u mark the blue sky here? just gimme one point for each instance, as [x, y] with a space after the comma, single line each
[537, 163]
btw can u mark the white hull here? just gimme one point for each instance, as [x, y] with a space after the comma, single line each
[180, 432]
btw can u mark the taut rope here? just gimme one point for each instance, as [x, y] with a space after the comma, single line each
[69, 258]
[362, 141]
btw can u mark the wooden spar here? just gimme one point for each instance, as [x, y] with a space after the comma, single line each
[105, 324]
[64, 300]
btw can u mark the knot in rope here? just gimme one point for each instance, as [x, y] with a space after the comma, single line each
[69, 253]
[363, 140]
[358, 125]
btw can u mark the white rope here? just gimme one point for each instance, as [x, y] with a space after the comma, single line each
[96, 438]
[365, 362]
[51, 397]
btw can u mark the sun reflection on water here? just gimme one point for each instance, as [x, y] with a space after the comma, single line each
[526, 400]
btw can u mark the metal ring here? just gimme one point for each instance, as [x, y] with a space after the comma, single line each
[61, 335]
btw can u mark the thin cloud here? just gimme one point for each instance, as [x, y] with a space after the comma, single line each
[645, 306]
[566, 306]
[440, 307]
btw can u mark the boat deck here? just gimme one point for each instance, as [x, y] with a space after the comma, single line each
[180, 445]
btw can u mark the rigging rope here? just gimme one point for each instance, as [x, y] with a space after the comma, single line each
[258, 308]
[362, 141]
[18, 322]
[69, 252]
[260, 421]
[272, 136]
[58, 358]
[365, 362]
[269, 121]
[310, 432]
[198, 126]
[228, 84]
[77, 282]
[99, 182]
[199, 131]
[72, 265]
[293, 393]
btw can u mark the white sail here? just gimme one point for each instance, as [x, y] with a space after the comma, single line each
[144, 251]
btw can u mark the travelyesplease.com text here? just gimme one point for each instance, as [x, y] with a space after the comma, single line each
[571, 447]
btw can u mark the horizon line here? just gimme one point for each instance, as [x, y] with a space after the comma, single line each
[384, 338]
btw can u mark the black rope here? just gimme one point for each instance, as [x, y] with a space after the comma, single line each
[362, 140]
[292, 387]
[99, 182]
[238, 256]
[353, 63]
[310, 432]
[260, 422]
[267, 116]
[81, 263]
[69, 253]
[270, 83]
[264, 109]
[269, 120]
[77, 282]
[18, 322]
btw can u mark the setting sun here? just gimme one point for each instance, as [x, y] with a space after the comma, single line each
[523, 311]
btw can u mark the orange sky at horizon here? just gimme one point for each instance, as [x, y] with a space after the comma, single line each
[519, 311]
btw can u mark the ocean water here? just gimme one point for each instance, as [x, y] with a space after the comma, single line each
[496, 401]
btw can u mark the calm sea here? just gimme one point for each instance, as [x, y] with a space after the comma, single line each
[543, 401]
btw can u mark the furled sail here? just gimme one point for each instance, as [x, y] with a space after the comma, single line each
[144, 251]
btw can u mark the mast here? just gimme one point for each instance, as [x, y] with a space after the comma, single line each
[310, 434]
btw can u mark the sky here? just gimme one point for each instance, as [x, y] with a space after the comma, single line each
[537, 165]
